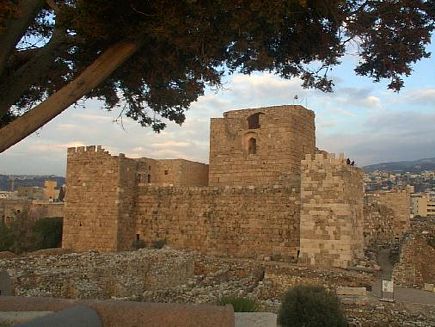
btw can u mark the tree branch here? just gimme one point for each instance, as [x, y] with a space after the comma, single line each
[90, 78]
[15, 28]
[33, 70]
[53, 5]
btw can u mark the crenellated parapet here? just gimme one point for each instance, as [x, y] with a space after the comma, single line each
[90, 151]
[328, 161]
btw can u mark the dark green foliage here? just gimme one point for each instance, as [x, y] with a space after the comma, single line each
[240, 304]
[25, 235]
[186, 45]
[5, 237]
[48, 232]
[158, 244]
[21, 234]
[310, 306]
[431, 241]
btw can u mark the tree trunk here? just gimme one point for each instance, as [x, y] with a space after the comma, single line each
[91, 77]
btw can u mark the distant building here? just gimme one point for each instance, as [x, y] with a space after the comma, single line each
[422, 204]
[50, 191]
[36, 202]
[31, 192]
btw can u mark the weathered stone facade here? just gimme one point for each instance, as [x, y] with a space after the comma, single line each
[258, 198]
[332, 211]
[236, 221]
[260, 146]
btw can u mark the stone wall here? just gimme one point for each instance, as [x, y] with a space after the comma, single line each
[415, 267]
[378, 223]
[417, 255]
[98, 275]
[126, 202]
[269, 152]
[92, 199]
[331, 211]
[36, 209]
[183, 172]
[242, 222]
[178, 172]
[399, 201]
[43, 209]
[10, 208]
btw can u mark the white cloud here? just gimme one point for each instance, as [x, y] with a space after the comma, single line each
[422, 96]
[171, 144]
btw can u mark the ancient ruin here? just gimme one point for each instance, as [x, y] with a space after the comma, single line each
[267, 192]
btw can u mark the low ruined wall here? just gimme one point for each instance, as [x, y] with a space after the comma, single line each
[92, 275]
[399, 202]
[416, 263]
[243, 222]
[331, 211]
[378, 224]
[278, 279]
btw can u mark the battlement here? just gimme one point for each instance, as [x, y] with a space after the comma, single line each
[89, 152]
[330, 159]
[89, 148]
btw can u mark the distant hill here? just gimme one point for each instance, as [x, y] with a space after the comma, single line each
[403, 166]
[26, 180]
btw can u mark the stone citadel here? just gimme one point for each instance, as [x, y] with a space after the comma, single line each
[267, 192]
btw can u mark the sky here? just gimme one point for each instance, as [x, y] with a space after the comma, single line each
[362, 119]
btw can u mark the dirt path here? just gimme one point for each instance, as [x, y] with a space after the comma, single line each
[401, 294]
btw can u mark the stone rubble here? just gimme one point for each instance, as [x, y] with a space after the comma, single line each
[172, 276]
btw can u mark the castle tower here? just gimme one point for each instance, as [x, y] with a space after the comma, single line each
[99, 202]
[331, 225]
[261, 146]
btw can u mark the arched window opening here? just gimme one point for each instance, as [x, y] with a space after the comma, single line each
[254, 121]
[252, 146]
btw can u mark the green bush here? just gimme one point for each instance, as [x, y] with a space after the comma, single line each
[48, 232]
[5, 237]
[158, 244]
[22, 238]
[240, 304]
[310, 306]
[24, 234]
[431, 241]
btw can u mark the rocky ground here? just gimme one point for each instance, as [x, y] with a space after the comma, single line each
[168, 275]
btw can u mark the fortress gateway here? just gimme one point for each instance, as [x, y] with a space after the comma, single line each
[267, 191]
